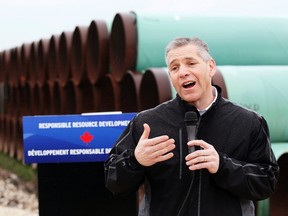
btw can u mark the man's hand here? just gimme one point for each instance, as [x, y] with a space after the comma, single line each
[207, 157]
[151, 151]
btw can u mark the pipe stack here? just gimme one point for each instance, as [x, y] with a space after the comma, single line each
[94, 69]
[59, 75]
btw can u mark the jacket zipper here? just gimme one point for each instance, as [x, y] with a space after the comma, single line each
[199, 194]
[200, 176]
[181, 153]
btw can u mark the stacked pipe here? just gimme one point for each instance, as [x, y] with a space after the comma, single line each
[91, 69]
[31, 83]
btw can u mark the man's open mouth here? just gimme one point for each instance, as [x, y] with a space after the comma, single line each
[189, 84]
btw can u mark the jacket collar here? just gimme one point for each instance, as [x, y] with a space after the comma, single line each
[188, 107]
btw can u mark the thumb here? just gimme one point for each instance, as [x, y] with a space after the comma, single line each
[146, 132]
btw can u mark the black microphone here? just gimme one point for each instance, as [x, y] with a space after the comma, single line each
[191, 120]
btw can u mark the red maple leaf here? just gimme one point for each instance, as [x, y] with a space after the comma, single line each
[86, 137]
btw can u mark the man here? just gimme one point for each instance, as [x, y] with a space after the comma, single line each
[233, 164]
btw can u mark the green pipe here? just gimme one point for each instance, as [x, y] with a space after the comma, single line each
[263, 89]
[280, 149]
[263, 208]
[232, 40]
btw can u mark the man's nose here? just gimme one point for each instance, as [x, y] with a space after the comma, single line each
[183, 71]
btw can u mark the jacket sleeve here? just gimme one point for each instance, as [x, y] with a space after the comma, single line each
[123, 174]
[254, 179]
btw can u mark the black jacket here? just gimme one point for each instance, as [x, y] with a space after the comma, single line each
[248, 169]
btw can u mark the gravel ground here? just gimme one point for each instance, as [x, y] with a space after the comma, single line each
[17, 198]
[9, 211]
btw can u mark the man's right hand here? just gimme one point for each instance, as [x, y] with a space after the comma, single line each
[151, 151]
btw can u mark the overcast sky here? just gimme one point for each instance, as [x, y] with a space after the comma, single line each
[29, 20]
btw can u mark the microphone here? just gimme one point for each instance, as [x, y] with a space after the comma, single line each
[191, 120]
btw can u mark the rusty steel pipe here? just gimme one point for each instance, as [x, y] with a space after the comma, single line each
[9, 100]
[42, 61]
[78, 55]
[13, 143]
[64, 57]
[87, 98]
[56, 102]
[36, 108]
[2, 131]
[97, 59]
[130, 91]
[6, 61]
[45, 99]
[1, 66]
[123, 44]
[155, 88]
[13, 67]
[110, 94]
[19, 141]
[32, 77]
[23, 76]
[5, 98]
[2, 98]
[25, 100]
[218, 79]
[97, 97]
[7, 137]
[78, 99]
[18, 66]
[53, 57]
[68, 98]
[13, 103]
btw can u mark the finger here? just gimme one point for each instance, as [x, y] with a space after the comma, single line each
[164, 157]
[195, 155]
[199, 166]
[163, 148]
[152, 141]
[200, 143]
[146, 132]
[195, 160]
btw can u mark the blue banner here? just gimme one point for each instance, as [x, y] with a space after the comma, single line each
[71, 138]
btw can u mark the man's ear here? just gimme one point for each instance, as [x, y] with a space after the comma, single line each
[212, 65]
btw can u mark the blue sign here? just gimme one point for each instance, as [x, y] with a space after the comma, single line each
[71, 138]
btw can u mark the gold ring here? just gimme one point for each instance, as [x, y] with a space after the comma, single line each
[205, 158]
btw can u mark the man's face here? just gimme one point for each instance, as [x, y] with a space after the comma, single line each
[191, 76]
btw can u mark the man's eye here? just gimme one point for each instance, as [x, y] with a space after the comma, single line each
[174, 68]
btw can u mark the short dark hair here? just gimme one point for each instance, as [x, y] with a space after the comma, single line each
[203, 49]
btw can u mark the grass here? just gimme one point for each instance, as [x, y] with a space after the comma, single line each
[25, 172]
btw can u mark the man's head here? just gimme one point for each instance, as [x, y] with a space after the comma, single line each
[191, 69]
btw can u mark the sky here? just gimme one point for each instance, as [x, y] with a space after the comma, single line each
[25, 21]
